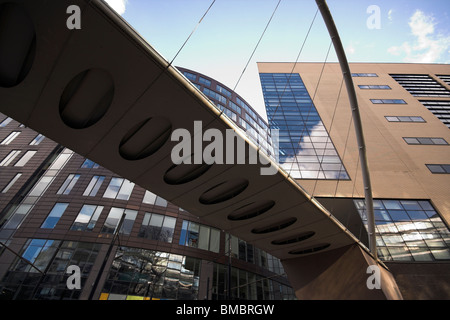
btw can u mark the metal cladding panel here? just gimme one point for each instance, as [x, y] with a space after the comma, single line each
[106, 94]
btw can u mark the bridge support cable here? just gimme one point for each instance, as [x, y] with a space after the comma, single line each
[332, 30]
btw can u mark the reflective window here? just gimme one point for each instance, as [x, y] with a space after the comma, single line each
[11, 183]
[439, 168]
[113, 219]
[157, 227]
[204, 81]
[9, 158]
[426, 141]
[119, 188]
[364, 75]
[87, 218]
[388, 101]
[5, 122]
[23, 280]
[404, 119]
[93, 186]
[151, 198]
[89, 164]
[68, 185]
[37, 140]
[223, 91]
[25, 158]
[375, 87]
[199, 236]
[54, 215]
[408, 230]
[190, 76]
[139, 274]
[10, 137]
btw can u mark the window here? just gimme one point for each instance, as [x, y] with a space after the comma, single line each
[11, 183]
[439, 168]
[114, 216]
[199, 236]
[5, 122]
[157, 227]
[190, 76]
[404, 119]
[9, 158]
[426, 141]
[25, 158]
[305, 149]
[223, 91]
[151, 198]
[215, 95]
[87, 218]
[375, 87]
[38, 252]
[364, 75]
[37, 140]
[68, 185]
[89, 164]
[204, 81]
[388, 101]
[94, 186]
[119, 188]
[10, 138]
[408, 230]
[54, 215]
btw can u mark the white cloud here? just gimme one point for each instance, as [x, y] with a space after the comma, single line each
[428, 46]
[118, 5]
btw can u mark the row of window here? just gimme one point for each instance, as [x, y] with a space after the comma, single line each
[14, 134]
[9, 158]
[439, 108]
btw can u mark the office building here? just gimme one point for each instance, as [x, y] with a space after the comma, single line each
[405, 122]
[59, 209]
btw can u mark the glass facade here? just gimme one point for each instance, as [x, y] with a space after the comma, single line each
[24, 281]
[305, 148]
[408, 230]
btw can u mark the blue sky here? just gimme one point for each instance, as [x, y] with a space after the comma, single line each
[406, 31]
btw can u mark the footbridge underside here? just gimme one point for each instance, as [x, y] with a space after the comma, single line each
[105, 93]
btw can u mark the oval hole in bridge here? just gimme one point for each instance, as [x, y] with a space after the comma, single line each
[251, 210]
[183, 173]
[17, 43]
[294, 239]
[275, 226]
[145, 138]
[311, 249]
[86, 98]
[223, 191]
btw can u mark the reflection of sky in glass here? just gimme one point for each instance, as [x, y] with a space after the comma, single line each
[306, 150]
[408, 230]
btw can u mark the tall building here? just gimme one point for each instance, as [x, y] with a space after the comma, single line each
[404, 110]
[59, 209]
